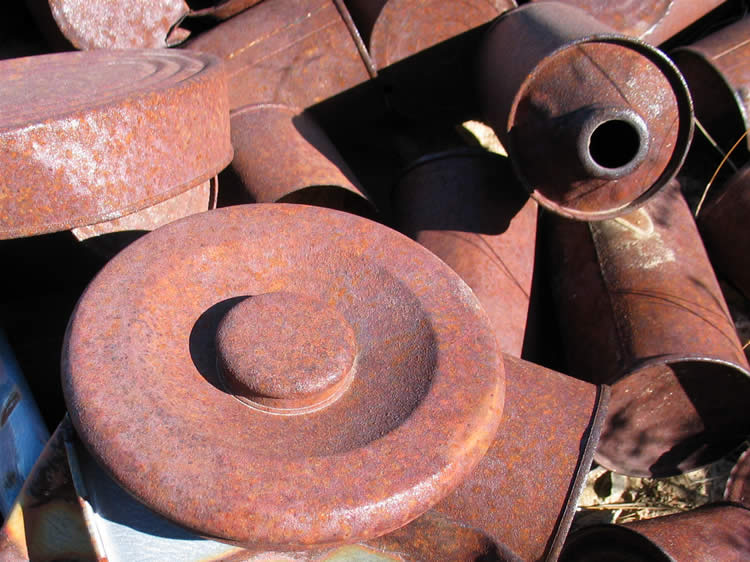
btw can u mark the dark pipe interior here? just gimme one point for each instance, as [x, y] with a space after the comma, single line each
[614, 143]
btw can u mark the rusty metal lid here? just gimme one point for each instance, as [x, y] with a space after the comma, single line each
[282, 375]
[92, 136]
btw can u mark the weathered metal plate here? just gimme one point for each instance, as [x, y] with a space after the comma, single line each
[594, 122]
[141, 382]
[108, 133]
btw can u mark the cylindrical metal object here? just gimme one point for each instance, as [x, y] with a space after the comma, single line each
[717, 71]
[594, 122]
[723, 224]
[707, 534]
[314, 377]
[22, 431]
[119, 24]
[282, 155]
[424, 51]
[110, 133]
[524, 492]
[295, 52]
[648, 20]
[465, 207]
[640, 308]
[397, 29]
[738, 485]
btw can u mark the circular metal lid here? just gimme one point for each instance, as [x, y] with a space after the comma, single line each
[283, 376]
[92, 136]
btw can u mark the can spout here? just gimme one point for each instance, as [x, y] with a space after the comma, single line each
[612, 142]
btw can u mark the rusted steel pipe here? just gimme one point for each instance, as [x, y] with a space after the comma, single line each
[709, 533]
[293, 449]
[109, 133]
[282, 155]
[738, 484]
[717, 71]
[723, 224]
[594, 122]
[465, 207]
[640, 308]
[294, 52]
[653, 22]
[537, 463]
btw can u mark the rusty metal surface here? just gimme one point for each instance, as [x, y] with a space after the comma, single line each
[46, 523]
[709, 533]
[738, 485]
[653, 21]
[641, 292]
[402, 28]
[295, 52]
[22, 430]
[139, 375]
[111, 132]
[717, 70]
[594, 122]
[723, 225]
[282, 155]
[109, 237]
[524, 491]
[466, 207]
[108, 24]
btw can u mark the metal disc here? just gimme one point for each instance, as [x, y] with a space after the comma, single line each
[411, 408]
[92, 136]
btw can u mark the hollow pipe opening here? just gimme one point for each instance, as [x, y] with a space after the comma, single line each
[613, 143]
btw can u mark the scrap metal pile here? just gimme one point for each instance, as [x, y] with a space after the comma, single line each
[291, 303]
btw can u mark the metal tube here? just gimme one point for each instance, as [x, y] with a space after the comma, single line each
[640, 308]
[282, 155]
[723, 224]
[713, 532]
[524, 491]
[717, 71]
[295, 52]
[594, 122]
[466, 208]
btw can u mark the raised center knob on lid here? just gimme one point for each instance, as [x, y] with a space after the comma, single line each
[285, 353]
